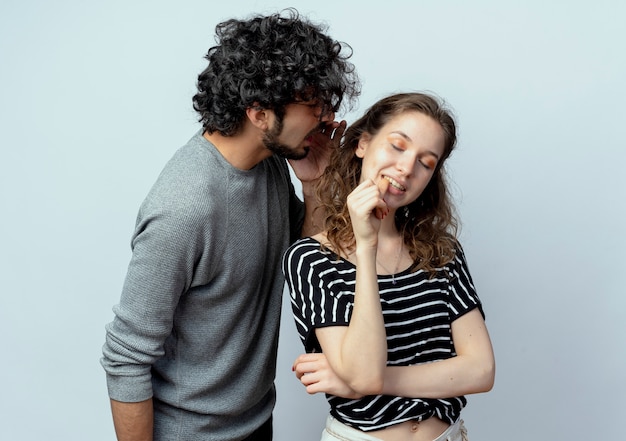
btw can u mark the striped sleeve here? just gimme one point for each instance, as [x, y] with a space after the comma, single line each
[311, 280]
[462, 295]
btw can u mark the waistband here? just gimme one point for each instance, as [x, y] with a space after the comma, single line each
[343, 432]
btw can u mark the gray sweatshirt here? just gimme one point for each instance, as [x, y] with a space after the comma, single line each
[197, 323]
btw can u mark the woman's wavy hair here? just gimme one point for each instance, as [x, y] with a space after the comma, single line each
[271, 61]
[428, 225]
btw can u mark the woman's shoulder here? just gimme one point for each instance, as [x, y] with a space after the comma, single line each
[311, 249]
[319, 238]
[317, 241]
[303, 246]
[301, 254]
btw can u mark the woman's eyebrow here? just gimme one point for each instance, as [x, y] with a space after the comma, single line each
[408, 138]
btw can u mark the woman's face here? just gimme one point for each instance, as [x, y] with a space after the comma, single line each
[405, 152]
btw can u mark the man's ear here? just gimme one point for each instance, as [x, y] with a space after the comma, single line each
[259, 117]
[363, 144]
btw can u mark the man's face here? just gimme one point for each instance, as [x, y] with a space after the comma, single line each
[292, 136]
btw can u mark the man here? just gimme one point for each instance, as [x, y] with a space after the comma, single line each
[191, 352]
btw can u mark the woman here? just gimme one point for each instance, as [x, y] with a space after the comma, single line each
[384, 291]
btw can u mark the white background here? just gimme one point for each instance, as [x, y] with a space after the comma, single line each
[96, 96]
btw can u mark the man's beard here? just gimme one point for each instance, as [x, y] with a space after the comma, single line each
[270, 140]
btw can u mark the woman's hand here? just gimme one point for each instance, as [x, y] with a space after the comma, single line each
[367, 208]
[317, 376]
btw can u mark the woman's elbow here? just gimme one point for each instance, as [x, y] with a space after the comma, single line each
[367, 384]
[486, 377]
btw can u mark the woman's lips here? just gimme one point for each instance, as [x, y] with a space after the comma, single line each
[394, 183]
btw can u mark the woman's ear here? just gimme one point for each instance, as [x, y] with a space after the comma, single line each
[362, 145]
[259, 117]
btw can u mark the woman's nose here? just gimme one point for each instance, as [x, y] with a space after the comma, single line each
[406, 164]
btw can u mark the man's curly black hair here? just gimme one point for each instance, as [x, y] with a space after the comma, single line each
[271, 61]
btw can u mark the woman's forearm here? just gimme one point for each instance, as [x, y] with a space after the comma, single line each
[441, 379]
[364, 348]
[358, 352]
[472, 370]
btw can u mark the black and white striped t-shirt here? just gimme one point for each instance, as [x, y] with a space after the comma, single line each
[418, 311]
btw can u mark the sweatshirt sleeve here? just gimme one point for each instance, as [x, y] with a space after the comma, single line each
[167, 243]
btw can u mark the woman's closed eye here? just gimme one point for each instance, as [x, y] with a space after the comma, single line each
[428, 163]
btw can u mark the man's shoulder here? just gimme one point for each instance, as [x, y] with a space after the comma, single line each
[195, 153]
[192, 164]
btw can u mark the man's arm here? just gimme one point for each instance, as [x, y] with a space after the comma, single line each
[133, 421]
[160, 268]
[313, 217]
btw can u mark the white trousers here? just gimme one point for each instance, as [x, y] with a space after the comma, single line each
[336, 430]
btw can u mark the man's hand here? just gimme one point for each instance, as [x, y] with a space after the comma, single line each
[323, 142]
[317, 376]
